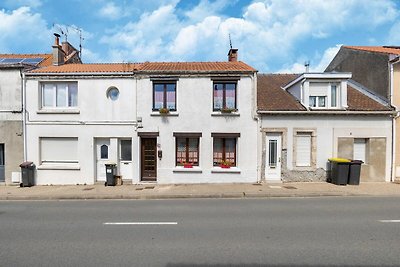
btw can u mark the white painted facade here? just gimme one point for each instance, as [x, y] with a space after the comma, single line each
[98, 120]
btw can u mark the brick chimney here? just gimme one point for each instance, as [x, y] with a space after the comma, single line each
[233, 55]
[58, 53]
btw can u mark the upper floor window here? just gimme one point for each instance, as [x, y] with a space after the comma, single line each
[60, 95]
[318, 101]
[164, 95]
[323, 95]
[224, 94]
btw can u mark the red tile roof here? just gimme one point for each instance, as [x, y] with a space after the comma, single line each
[395, 50]
[89, 68]
[271, 96]
[149, 67]
[47, 58]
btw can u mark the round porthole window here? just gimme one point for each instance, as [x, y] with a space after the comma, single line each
[113, 93]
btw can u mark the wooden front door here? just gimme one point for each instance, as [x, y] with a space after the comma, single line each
[149, 159]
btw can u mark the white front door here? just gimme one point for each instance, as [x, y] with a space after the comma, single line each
[273, 157]
[125, 159]
[102, 155]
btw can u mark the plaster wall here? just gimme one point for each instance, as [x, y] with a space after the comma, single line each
[11, 137]
[396, 103]
[99, 117]
[328, 129]
[195, 114]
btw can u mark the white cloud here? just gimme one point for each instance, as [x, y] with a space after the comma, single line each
[111, 11]
[394, 35]
[268, 33]
[24, 30]
[323, 62]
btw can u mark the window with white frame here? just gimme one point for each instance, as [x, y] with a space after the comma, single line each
[360, 149]
[303, 149]
[61, 150]
[59, 94]
[323, 95]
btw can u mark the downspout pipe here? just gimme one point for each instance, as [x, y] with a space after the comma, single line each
[23, 108]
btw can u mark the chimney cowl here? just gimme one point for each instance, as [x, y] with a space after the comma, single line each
[233, 55]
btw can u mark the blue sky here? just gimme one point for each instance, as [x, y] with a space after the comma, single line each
[271, 35]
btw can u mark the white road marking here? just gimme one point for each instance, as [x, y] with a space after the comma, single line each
[390, 221]
[140, 223]
[275, 186]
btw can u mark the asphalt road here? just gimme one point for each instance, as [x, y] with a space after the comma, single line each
[204, 232]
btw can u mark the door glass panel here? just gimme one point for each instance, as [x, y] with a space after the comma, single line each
[272, 158]
[104, 152]
[126, 150]
[1, 154]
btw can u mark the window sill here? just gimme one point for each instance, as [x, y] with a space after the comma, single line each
[58, 111]
[195, 169]
[223, 114]
[58, 166]
[170, 114]
[225, 170]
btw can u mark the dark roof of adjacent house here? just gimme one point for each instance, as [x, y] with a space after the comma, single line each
[37, 60]
[395, 50]
[271, 96]
[163, 67]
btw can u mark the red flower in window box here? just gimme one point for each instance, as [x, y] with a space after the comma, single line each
[225, 164]
[187, 165]
[163, 111]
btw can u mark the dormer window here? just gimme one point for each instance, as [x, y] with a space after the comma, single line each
[317, 101]
[323, 95]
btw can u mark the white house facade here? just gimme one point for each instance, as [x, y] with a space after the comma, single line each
[307, 119]
[158, 122]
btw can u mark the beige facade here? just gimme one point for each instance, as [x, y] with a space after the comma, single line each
[396, 103]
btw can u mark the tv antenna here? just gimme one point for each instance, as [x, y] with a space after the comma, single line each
[79, 31]
[230, 40]
[63, 31]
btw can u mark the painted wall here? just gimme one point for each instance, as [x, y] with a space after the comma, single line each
[328, 129]
[99, 117]
[396, 103]
[11, 121]
[95, 117]
[195, 114]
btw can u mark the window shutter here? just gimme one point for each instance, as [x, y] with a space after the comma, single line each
[303, 150]
[59, 149]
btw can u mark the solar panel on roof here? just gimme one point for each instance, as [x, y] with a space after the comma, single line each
[33, 61]
[11, 60]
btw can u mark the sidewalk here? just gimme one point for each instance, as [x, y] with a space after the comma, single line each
[154, 191]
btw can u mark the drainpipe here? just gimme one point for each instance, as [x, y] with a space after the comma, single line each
[23, 108]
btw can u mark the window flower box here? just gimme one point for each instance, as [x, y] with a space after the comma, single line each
[223, 166]
[188, 165]
[163, 111]
[228, 110]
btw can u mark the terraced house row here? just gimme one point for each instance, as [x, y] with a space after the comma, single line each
[190, 122]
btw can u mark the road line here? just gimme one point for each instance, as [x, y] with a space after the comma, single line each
[140, 223]
[390, 221]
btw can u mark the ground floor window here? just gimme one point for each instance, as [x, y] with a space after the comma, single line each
[224, 151]
[187, 148]
[59, 150]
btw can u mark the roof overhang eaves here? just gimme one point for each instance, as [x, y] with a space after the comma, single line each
[79, 73]
[319, 75]
[302, 112]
